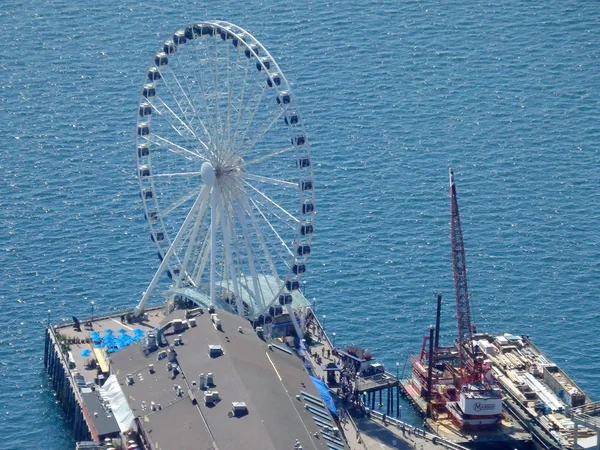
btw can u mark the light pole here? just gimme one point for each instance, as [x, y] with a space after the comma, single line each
[314, 305]
[334, 335]
[398, 407]
[48, 318]
[92, 303]
[304, 288]
[323, 324]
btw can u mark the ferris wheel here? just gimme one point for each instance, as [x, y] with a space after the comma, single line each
[225, 173]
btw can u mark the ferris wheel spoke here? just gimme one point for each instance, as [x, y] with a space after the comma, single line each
[210, 94]
[258, 264]
[258, 232]
[263, 208]
[252, 106]
[187, 93]
[181, 200]
[215, 72]
[261, 129]
[282, 183]
[206, 253]
[198, 118]
[201, 83]
[263, 216]
[233, 213]
[176, 174]
[177, 101]
[271, 201]
[176, 123]
[241, 106]
[202, 260]
[175, 148]
[184, 110]
[252, 141]
[249, 122]
[269, 155]
[229, 258]
[243, 97]
[229, 94]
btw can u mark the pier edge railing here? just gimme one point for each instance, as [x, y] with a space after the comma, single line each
[418, 431]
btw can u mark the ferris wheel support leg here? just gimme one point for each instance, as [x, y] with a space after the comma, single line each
[213, 242]
[302, 317]
[165, 262]
[297, 327]
[193, 236]
[229, 261]
[259, 297]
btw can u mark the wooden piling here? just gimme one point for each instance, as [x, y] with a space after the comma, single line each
[67, 394]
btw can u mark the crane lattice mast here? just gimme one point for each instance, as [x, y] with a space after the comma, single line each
[463, 310]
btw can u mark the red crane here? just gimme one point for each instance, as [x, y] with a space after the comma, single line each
[477, 403]
[463, 310]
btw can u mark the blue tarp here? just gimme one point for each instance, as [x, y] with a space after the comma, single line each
[325, 395]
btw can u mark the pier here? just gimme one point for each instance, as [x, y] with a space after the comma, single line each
[265, 379]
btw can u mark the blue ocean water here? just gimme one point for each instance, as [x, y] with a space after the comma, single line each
[393, 94]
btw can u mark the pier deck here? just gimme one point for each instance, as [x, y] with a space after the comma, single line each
[270, 380]
[79, 340]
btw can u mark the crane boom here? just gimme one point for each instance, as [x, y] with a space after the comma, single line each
[463, 310]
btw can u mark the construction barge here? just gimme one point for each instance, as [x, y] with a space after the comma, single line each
[541, 406]
[488, 390]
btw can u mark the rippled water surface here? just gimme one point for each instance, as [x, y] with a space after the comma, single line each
[393, 94]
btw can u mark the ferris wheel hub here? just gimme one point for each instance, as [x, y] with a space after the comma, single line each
[208, 174]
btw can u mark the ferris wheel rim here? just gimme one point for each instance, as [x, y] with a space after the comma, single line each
[156, 215]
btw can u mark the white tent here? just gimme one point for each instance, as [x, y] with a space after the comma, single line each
[112, 392]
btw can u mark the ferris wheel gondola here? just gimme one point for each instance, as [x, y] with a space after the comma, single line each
[225, 172]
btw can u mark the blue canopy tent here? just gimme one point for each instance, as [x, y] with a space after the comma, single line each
[325, 395]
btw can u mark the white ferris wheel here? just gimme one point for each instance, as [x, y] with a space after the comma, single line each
[225, 173]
